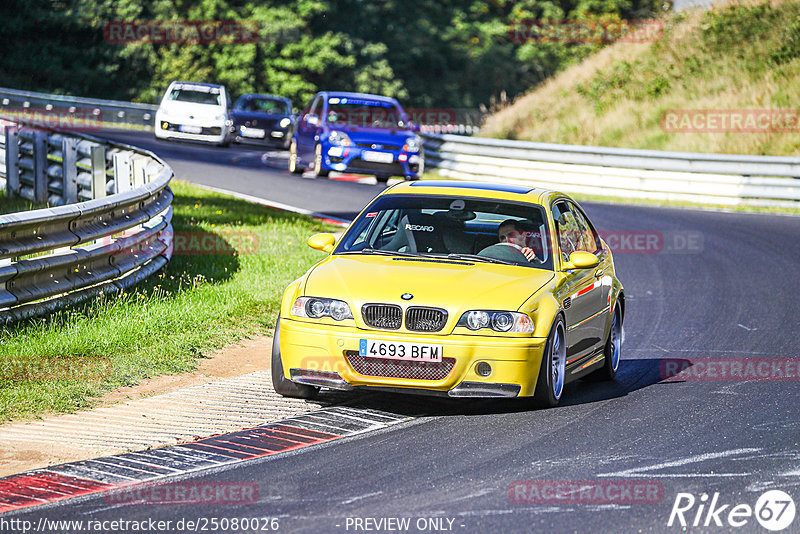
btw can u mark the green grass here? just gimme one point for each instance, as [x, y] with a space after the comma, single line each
[14, 204]
[199, 303]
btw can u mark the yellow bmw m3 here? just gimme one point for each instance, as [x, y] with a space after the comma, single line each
[458, 289]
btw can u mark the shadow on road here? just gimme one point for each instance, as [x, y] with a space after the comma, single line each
[634, 374]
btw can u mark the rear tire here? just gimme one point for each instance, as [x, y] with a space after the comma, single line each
[280, 383]
[319, 172]
[294, 168]
[552, 371]
[612, 350]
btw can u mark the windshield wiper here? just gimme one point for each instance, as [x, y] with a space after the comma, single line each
[382, 252]
[476, 257]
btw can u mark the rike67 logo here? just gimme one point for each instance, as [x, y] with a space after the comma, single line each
[774, 510]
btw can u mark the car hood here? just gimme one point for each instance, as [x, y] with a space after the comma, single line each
[190, 108]
[241, 114]
[455, 285]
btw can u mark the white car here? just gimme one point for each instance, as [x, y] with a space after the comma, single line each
[195, 112]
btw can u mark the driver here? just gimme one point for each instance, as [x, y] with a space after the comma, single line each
[512, 232]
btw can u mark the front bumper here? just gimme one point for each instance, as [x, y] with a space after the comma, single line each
[261, 136]
[352, 159]
[212, 132]
[314, 354]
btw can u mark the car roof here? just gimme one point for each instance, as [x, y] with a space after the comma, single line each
[201, 84]
[263, 95]
[345, 94]
[499, 191]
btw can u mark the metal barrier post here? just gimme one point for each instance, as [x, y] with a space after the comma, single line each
[122, 172]
[39, 166]
[139, 168]
[69, 162]
[12, 158]
[98, 171]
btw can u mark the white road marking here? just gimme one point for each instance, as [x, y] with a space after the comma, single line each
[360, 497]
[638, 471]
[266, 202]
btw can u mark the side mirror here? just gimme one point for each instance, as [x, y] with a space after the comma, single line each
[581, 260]
[313, 120]
[323, 242]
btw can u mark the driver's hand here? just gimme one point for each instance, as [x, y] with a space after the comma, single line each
[529, 253]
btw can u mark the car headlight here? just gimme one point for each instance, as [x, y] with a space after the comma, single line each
[220, 117]
[285, 122]
[316, 308]
[411, 144]
[499, 321]
[338, 138]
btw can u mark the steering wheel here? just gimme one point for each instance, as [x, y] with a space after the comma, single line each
[504, 251]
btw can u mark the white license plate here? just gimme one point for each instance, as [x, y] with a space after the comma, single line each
[399, 350]
[191, 129]
[377, 157]
[256, 133]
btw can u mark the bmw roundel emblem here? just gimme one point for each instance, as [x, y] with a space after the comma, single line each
[406, 296]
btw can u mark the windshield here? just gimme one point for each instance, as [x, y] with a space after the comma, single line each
[211, 97]
[365, 113]
[264, 105]
[445, 226]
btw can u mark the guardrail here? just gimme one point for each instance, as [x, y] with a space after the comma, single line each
[110, 227]
[61, 108]
[684, 176]
[13, 101]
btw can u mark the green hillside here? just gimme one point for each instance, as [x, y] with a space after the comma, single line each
[735, 61]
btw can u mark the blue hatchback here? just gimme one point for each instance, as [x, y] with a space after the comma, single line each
[356, 133]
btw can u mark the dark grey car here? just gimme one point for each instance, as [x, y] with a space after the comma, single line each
[262, 119]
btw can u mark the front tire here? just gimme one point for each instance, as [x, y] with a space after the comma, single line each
[319, 172]
[612, 350]
[280, 383]
[552, 371]
[294, 168]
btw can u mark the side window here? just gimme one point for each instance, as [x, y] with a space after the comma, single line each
[588, 239]
[316, 108]
[359, 239]
[307, 109]
[567, 229]
[388, 228]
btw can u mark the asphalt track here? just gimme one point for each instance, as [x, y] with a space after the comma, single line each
[712, 286]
